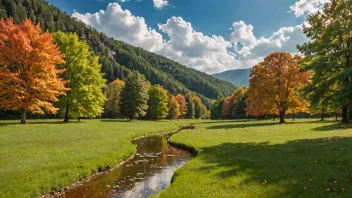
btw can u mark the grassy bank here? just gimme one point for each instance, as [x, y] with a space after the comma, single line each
[46, 155]
[306, 158]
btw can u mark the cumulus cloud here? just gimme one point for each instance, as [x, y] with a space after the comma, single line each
[194, 49]
[122, 25]
[159, 4]
[303, 7]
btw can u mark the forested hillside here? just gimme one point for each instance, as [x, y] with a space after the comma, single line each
[118, 59]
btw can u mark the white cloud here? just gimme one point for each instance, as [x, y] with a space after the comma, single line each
[195, 49]
[185, 45]
[303, 7]
[122, 25]
[285, 39]
[159, 4]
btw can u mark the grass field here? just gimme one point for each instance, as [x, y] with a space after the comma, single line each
[46, 155]
[306, 158]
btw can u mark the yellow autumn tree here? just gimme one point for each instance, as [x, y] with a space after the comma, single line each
[274, 83]
[29, 79]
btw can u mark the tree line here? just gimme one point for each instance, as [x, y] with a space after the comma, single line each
[46, 73]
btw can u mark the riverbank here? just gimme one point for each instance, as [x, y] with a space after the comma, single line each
[305, 158]
[48, 155]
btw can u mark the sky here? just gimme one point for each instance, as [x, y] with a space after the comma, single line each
[208, 35]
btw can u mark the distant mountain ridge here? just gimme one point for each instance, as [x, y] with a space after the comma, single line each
[238, 77]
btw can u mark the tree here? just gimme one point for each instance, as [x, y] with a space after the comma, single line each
[113, 91]
[134, 96]
[28, 75]
[182, 104]
[273, 84]
[198, 109]
[235, 106]
[190, 106]
[174, 108]
[216, 111]
[328, 54]
[157, 103]
[84, 80]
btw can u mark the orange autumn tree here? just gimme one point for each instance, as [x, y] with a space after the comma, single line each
[28, 76]
[182, 104]
[273, 85]
[113, 91]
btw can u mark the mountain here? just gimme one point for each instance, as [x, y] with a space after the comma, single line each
[118, 59]
[238, 77]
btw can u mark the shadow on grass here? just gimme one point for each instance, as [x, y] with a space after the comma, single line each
[336, 126]
[111, 120]
[226, 121]
[238, 126]
[302, 168]
[39, 122]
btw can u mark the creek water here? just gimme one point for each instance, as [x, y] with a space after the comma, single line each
[147, 173]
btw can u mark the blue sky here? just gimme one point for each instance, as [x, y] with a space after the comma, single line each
[207, 35]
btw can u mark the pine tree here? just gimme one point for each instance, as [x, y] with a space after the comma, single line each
[134, 96]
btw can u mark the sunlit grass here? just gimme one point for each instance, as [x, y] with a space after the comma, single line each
[306, 158]
[45, 155]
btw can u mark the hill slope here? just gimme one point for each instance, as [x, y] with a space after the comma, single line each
[238, 77]
[118, 58]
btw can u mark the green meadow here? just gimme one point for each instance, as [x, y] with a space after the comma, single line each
[305, 158]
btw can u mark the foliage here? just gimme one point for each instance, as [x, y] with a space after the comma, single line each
[157, 102]
[274, 83]
[174, 108]
[28, 76]
[134, 96]
[216, 111]
[84, 80]
[328, 54]
[235, 106]
[182, 104]
[113, 91]
[190, 106]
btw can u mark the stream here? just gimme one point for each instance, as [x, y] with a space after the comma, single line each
[147, 173]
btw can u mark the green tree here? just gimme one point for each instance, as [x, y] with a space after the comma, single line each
[157, 103]
[190, 106]
[85, 97]
[198, 109]
[216, 111]
[328, 55]
[134, 96]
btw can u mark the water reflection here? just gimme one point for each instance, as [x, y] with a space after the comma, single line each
[147, 173]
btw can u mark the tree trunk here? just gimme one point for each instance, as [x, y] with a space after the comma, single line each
[344, 115]
[293, 116]
[273, 118]
[322, 116]
[66, 112]
[282, 116]
[23, 117]
[336, 116]
[79, 119]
